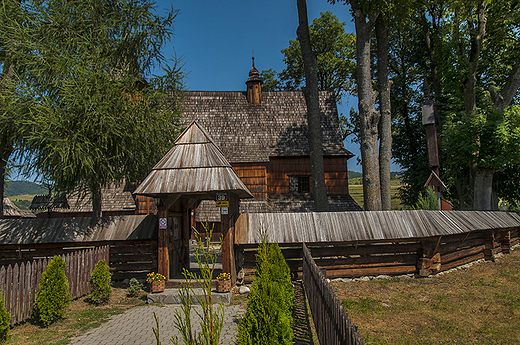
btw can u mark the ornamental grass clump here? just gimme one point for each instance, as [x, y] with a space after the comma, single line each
[269, 316]
[100, 284]
[5, 321]
[211, 317]
[53, 295]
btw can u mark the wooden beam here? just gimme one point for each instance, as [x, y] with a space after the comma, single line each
[162, 250]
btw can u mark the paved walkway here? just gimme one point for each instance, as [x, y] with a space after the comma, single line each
[135, 327]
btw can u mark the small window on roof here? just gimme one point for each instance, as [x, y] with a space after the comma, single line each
[299, 184]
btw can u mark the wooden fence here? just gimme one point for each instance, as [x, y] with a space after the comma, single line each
[422, 256]
[19, 282]
[332, 323]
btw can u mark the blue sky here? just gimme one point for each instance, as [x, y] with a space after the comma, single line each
[218, 38]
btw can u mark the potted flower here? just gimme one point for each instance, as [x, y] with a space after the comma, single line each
[157, 282]
[224, 282]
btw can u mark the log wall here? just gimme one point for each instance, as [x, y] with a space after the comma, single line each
[279, 170]
[421, 257]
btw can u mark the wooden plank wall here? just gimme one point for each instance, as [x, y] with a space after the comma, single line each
[133, 259]
[255, 179]
[336, 176]
[128, 259]
[19, 283]
[416, 256]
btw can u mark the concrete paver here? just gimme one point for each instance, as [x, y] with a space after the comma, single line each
[135, 327]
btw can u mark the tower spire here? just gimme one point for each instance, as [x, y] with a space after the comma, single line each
[254, 85]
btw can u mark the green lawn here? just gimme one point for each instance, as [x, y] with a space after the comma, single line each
[356, 191]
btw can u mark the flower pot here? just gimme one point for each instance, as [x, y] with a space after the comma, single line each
[223, 286]
[157, 286]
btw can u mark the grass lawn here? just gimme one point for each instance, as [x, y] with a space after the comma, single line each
[477, 305]
[356, 191]
[80, 318]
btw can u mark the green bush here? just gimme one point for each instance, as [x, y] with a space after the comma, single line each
[100, 284]
[427, 201]
[5, 321]
[269, 316]
[134, 288]
[53, 295]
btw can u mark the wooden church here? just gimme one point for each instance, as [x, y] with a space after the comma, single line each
[264, 136]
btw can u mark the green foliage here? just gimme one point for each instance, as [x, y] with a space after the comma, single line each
[427, 201]
[269, 316]
[211, 317]
[5, 321]
[53, 295]
[99, 114]
[134, 288]
[100, 284]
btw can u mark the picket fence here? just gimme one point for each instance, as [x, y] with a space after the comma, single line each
[19, 283]
[332, 323]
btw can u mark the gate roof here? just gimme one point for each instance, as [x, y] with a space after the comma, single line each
[195, 165]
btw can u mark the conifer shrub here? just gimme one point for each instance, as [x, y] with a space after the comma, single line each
[269, 316]
[5, 321]
[53, 295]
[134, 288]
[100, 284]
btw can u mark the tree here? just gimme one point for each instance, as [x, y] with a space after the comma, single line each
[334, 50]
[13, 106]
[99, 115]
[313, 111]
[365, 19]
[476, 119]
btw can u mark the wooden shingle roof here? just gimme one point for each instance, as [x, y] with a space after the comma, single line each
[12, 211]
[194, 165]
[113, 198]
[79, 229]
[277, 127]
[367, 226]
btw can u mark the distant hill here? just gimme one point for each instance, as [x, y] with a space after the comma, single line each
[23, 188]
[354, 174]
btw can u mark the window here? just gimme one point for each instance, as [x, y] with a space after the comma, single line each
[299, 184]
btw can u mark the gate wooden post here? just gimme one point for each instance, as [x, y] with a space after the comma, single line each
[162, 245]
[228, 232]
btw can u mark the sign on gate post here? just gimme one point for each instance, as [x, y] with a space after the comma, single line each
[163, 223]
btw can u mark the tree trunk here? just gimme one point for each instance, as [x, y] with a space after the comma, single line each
[368, 116]
[96, 196]
[385, 125]
[313, 111]
[483, 189]
[4, 157]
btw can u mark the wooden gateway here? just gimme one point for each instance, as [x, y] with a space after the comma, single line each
[193, 170]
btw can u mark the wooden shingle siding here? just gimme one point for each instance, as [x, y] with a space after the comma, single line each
[275, 128]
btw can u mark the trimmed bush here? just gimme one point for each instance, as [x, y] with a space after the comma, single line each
[5, 321]
[100, 284]
[269, 316]
[53, 296]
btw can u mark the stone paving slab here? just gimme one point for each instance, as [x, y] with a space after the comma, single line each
[135, 327]
[171, 296]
